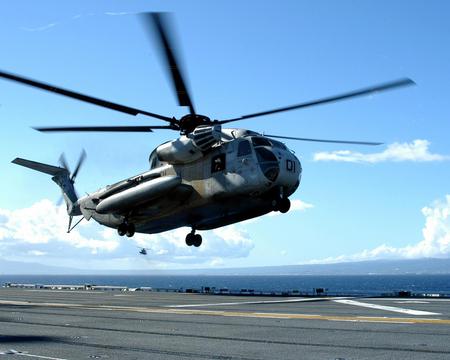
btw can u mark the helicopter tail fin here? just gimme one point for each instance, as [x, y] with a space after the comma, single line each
[61, 177]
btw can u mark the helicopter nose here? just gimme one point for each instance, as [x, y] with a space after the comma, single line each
[290, 172]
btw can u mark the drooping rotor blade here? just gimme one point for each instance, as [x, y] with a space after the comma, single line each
[81, 97]
[79, 164]
[325, 141]
[361, 92]
[164, 33]
[103, 128]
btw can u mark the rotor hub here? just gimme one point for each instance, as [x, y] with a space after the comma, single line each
[189, 122]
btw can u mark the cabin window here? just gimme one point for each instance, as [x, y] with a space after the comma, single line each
[218, 163]
[244, 148]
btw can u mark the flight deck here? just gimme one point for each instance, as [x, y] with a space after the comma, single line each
[79, 324]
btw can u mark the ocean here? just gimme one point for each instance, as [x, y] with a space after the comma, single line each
[338, 284]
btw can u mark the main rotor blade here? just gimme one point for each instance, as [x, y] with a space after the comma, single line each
[361, 92]
[159, 22]
[325, 141]
[81, 97]
[103, 128]
[77, 168]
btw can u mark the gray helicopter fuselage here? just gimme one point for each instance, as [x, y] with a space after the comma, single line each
[207, 178]
[240, 177]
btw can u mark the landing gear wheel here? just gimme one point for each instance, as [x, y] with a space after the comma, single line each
[130, 230]
[190, 239]
[197, 240]
[284, 205]
[122, 229]
[274, 204]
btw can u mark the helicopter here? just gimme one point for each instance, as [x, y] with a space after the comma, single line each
[143, 251]
[208, 177]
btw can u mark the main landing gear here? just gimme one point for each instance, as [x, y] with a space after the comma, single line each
[127, 229]
[193, 239]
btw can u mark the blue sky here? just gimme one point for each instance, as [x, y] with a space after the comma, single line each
[239, 57]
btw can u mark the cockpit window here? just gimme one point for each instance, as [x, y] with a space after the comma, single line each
[153, 160]
[278, 144]
[268, 163]
[264, 155]
[244, 148]
[260, 141]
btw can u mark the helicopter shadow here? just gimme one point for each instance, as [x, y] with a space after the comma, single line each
[12, 339]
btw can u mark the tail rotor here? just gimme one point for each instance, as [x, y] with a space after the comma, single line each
[64, 164]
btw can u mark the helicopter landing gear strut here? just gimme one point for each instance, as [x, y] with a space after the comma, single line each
[127, 229]
[281, 204]
[193, 239]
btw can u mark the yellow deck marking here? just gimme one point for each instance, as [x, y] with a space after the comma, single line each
[245, 314]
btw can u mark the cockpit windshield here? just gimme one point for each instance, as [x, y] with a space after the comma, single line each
[278, 144]
[153, 160]
[244, 148]
[260, 141]
[266, 158]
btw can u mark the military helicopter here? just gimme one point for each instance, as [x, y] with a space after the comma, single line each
[143, 251]
[206, 178]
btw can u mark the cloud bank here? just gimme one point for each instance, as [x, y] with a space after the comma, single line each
[416, 151]
[39, 234]
[435, 242]
[44, 223]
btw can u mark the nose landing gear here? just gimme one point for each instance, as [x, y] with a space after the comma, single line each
[281, 203]
[193, 239]
[284, 205]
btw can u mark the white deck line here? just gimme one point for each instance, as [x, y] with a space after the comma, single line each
[253, 302]
[386, 308]
[19, 353]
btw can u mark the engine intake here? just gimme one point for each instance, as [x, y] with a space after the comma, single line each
[190, 148]
[205, 137]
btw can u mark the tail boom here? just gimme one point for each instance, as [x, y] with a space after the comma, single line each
[61, 177]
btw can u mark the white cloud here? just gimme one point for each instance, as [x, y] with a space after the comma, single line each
[299, 205]
[224, 243]
[296, 205]
[40, 28]
[39, 233]
[45, 223]
[36, 253]
[120, 13]
[415, 151]
[74, 17]
[435, 242]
